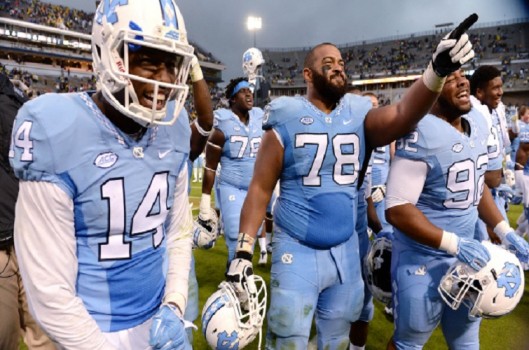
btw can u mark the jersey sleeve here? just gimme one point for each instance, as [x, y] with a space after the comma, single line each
[49, 271]
[422, 143]
[179, 244]
[40, 133]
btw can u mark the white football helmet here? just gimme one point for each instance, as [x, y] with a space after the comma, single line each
[121, 27]
[205, 233]
[252, 60]
[493, 291]
[377, 269]
[226, 324]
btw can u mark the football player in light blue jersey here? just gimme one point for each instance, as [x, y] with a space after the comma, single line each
[381, 158]
[486, 87]
[233, 144]
[315, 146]
[197, 132]
[436, 189]
[103, 220]
[521, 170]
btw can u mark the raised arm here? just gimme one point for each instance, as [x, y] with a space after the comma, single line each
[202, 126]
[388, 123]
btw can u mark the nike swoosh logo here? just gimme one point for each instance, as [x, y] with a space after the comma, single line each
[163, 154]
[345, 122]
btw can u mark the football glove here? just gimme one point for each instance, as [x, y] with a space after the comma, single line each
[205, 232]
[168, 330]
[468, 251]
[240, 272]
[505, 191]
[378, 193]
[454, 50]
[512, 242]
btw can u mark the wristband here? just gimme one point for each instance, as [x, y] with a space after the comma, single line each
[432, 81]
[205, 205]
[202, 131]
[502, 228]
[449, 242]
[196, 72]
[245, 243]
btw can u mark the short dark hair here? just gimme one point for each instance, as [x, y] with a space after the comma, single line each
[482, 76]
[309, 59]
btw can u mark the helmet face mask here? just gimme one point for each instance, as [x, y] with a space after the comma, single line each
[493, 291]
[123, 29]
[226, 324]
[377, 269]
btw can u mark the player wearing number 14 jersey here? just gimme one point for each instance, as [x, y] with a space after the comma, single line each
[103, 221]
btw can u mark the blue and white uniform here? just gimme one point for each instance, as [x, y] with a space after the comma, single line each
[381, 159]
[99, 219]
[450, 167]
[241, 143]
[315, 263]
[498, 141]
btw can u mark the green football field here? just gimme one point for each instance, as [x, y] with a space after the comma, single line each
[511, 332]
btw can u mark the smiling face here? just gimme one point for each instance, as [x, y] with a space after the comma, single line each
[491, 93]
[155, 65]
[325, 72]
[455, 96]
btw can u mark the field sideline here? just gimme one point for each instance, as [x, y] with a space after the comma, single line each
[509, 332]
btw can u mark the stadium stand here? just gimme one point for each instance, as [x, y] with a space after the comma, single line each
[389, 65]
[48, 48]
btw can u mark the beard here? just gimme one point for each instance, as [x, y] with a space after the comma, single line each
[326, 89]
[451, 109]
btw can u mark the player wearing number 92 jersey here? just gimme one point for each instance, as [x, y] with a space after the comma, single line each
[117, 203]
[456, 166]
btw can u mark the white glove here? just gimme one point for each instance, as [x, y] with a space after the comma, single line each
[378, 193]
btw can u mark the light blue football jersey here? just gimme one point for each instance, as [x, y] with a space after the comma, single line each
[323, 154]
[379, 174]
[122, 191]
[496, 148]
[455, 179]
[240, 147]
[523, 137]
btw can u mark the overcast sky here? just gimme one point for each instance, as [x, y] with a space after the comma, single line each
[219, 26]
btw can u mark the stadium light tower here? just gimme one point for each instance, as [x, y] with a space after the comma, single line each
[254, 24]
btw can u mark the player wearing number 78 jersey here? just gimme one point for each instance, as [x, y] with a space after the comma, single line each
[316, 146]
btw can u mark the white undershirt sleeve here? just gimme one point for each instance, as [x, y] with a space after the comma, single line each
[405, 181]
[179, 244]
[46, 250]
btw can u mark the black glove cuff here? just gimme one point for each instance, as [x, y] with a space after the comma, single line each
[243, 255]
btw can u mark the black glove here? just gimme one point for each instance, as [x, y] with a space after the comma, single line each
[454, 50]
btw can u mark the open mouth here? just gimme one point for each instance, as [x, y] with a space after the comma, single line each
[149, 100]
[463, 96]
